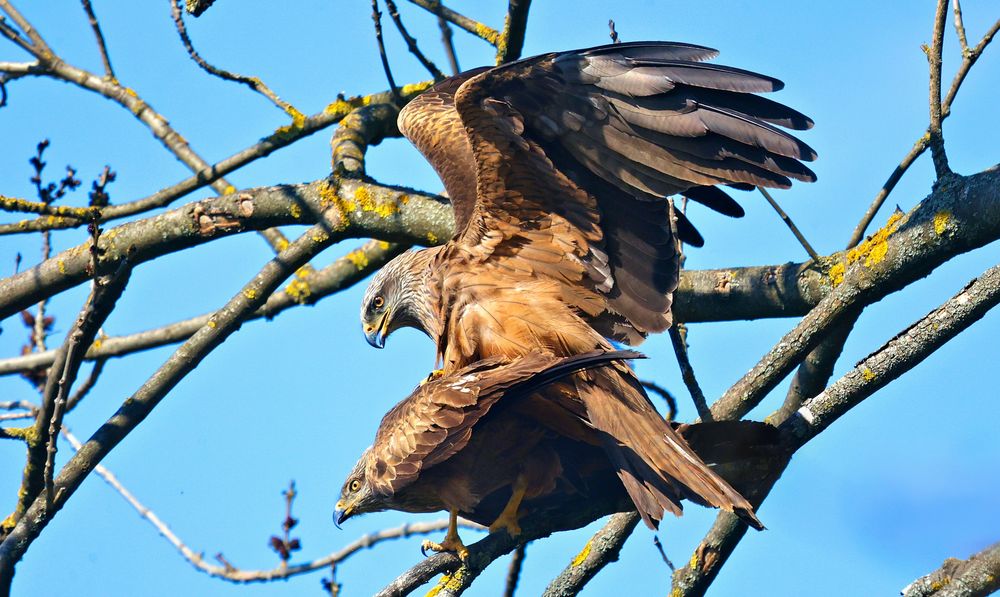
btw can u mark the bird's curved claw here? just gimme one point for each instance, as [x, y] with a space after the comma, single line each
[450, 544]
[433, 375]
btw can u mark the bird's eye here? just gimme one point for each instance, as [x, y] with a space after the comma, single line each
[378, 301]
[355, 485]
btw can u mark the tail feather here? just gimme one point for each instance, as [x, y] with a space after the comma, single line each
[655, 464]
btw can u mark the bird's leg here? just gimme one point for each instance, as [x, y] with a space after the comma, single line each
[433, 375]
[508, 518]
[452, 542]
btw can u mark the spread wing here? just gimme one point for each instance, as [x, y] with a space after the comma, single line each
[436, 421]
[558, 165]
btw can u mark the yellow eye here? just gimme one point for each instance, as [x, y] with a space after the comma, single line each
[355, 485]
[378, 302]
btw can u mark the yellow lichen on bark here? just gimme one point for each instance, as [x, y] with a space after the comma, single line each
[580, 557]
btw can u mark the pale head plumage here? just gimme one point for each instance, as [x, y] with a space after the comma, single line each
[398, 297]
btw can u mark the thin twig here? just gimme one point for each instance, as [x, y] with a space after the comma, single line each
[71, 217]
[969, 58]
[487, 34]
[514, 570]
[252, 82]
[662, 392]
[411, 43]
[612, 32]
[38, 45]
[136, 408]
[791, 225]
[87, 385]
[234, 574]
[963, 41]
[377, 20]
[663, 554]
[687, 373]
[936, 140]
[449, 45]
[897, 174]
[99, 37]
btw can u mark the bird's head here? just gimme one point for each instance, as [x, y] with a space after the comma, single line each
[356, 496]
[397, 297]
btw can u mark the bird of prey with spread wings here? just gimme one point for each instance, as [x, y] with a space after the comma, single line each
[558, 167]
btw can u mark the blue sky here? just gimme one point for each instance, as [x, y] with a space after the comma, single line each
[905, 480]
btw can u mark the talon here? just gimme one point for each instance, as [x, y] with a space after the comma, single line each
[433, 375]
[449, 544]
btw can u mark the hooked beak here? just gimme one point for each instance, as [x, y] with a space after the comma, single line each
[340, 514]
[375, 334]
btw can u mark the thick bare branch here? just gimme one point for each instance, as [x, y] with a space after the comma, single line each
[958, 216]
[355, 209]
[899, 355]
[748, 293]
[602, 549]
[977, 576]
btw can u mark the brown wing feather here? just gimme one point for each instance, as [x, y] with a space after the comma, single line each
[570, 146]
[655, 464]
[436, 421]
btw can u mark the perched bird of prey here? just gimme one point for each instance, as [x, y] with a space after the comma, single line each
[454, 445]
[449, 445]
[557, 168]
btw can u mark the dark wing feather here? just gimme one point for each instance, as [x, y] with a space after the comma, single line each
[436, 421]
[574, 146]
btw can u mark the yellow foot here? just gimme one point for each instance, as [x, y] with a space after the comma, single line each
[508, 522]
[454, 545]
[433, 375]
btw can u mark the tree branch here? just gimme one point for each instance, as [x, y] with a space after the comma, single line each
[38, 469]
[488, 34]
[978, 575]
[307, 288]
[898, 356]
[283, 137]
[514, 570]
[355, 209]
[411, 44]
[134, 410]
[697, 300]
[282, 572]
[936, 140]
[511, 41]
[602, 549]
[253, 83]
[957, 217]
[102, 47]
